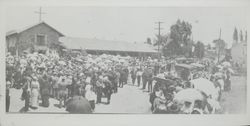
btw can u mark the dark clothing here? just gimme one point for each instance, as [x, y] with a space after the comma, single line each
[26, 95]
[115, 87]
[45, 100]
[26, 98]
[92, 104]
[151, 100]
[107, 90]
[123, 77]
[7, 100]
[98, 94]
[74, 89]
[18, 79]
[78, 105]
[144, 82]
[126, 75]
[133, 81]
[45, 91]
[138, 80]
[133, 76]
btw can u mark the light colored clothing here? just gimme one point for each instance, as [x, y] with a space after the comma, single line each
[88, 80]
[34, 93]
[139, 73]
[88, 87]
[90, 95]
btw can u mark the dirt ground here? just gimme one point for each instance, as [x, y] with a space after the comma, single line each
[131, 99]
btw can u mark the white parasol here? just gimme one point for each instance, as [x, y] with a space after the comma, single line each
[62, 63]
[189, 95]
[205, 86]
[226, 64]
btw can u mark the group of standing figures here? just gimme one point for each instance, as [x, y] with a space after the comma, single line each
[142, 74]
[41, 85]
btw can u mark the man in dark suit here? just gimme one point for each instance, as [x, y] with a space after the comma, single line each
[133, 76]
[122, 78]
[145, 76]
[44, 90]
[107, 89]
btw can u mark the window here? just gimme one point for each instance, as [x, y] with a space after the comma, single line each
[40, 39]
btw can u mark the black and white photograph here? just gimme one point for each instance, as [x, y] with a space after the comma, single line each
[124, 63]
[127, 60]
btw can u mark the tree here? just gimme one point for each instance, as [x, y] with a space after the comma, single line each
[180, 32]
[235, 35]
[209, 46]
[220, 46]
[149, 41]
[162, 40]
[178, 41]
[172, 49]
[199, 50]
[241, 36]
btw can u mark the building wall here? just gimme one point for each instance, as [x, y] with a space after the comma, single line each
[11, 44]
[28, 37]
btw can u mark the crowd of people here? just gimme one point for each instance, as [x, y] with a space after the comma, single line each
[45, 76]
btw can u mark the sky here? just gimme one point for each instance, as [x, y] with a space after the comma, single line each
[132, 24]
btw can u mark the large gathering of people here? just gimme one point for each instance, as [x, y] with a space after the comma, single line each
[91, 77]
[43, 76]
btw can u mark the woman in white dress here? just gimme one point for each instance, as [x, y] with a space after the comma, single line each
[34, 86]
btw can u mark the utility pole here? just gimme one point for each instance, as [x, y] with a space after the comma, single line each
[40, 13]
[220, 34]
[219, 47]
[159, 37]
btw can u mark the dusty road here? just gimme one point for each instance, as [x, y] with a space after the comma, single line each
[234, 101]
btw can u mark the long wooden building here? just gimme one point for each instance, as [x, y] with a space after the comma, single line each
[97, 46]
[41, 37]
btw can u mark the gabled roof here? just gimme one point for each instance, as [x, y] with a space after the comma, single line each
[29, 27]
[105, 45]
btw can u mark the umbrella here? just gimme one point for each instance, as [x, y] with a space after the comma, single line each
[122, 61]
[78, 104]
[205, 86]
[189, 95]
[226, 64]
[62, 63]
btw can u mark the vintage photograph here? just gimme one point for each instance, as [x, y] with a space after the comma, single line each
[126, 60]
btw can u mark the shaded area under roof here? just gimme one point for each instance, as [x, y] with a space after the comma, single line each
[105, 45]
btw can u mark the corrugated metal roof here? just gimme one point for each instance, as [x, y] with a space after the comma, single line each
[28, 27]
[105, 45]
